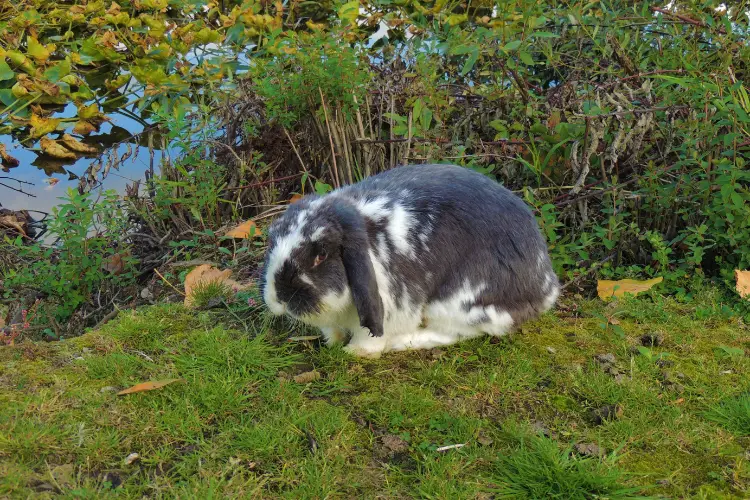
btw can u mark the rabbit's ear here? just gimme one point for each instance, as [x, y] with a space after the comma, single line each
[359, 269]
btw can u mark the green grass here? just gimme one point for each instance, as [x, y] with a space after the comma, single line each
[238, 425]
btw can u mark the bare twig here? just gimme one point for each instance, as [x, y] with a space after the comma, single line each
[302, 163]
[330, 140]
[590, 270]
[170, 285]
[269, 181]
[19, 189]
[685, 19]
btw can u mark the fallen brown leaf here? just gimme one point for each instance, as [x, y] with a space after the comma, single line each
[305, 377]
[55, 150]
[205, 274]
[116, 264]
[148, 386]
[244, 230]
[679, 401]
[607, 288]
[743, 282]
[12, 221]
[295, 198]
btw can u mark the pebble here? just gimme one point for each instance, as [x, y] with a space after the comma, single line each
[607, 358]
[590, 449]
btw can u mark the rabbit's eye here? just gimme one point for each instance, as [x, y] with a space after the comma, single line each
[320, 257]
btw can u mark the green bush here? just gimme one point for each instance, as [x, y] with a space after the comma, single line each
[82, 258]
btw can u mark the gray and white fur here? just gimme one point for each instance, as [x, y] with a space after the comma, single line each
[416, 257]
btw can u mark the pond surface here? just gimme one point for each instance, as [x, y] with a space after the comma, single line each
[49, 179]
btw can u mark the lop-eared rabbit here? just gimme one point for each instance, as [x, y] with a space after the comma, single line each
[416, 257]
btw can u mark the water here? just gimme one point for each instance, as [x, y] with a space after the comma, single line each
[39, 170]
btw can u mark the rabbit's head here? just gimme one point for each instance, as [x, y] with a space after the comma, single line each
[317, 264]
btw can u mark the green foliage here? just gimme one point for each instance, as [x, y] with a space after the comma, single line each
[626, 127]
[301, 68]
[83, 229]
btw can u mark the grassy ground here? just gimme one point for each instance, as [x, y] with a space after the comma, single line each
[571, 407]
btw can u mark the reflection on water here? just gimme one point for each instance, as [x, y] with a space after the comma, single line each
[41, 170]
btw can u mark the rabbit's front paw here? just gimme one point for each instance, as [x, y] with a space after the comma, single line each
[364, 352]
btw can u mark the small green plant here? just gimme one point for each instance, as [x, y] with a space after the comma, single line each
[87, 253]
[210, 293]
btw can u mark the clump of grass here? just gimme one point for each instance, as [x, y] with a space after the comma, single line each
[732, 414]
[538, 468]
[210, 293]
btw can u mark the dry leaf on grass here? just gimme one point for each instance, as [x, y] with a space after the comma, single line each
[148, 386]
[607, 288]
[245, 230]
[304, 338]
[306, 377]
[205, 274]
[295, 198]
[743, 283]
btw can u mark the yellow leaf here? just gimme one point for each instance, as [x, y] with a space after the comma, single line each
[38, 51]
[148, 386]
[55, 150]
[607, 288]
[88, 112]
[74, 144]
[84, 128]
[244, 230]
[743, 283]
[42, 126]
[205, 274]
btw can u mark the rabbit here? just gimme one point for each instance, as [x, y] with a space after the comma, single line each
[416, 257]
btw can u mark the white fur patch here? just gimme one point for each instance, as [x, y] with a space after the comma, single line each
[334, 302]
[375, 209]
[550, 299]
[317, 234]
[500, 321]
[399, 225]
[453, 305]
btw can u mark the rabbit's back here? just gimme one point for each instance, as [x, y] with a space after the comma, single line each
[456, 240]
